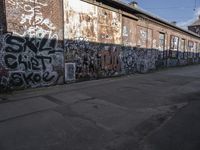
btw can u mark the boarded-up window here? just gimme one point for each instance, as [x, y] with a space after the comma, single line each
[182, 45]
[195, 49]
[174, 42]
[161, 41]
[190, 45]
[80, 19]
[190, 49]
[109, 26]
[128, 31]
[198, 50]
[142, 35]
[182, 53]
[150, 38]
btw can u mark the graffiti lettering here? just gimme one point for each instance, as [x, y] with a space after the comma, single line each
[19, 44]
[18, 79]
[32, 55]
[28, 63]
[14, 44]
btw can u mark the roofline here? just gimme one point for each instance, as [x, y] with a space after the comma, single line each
[193, 25]
[136, 10]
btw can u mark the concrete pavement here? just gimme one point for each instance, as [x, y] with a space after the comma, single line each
[109, 114]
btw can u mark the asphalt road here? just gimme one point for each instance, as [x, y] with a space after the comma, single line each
[182, 132]
[155, 111]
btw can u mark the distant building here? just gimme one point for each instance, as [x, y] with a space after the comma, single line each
[195, 27]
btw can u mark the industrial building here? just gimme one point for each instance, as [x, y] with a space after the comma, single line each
[50, 42]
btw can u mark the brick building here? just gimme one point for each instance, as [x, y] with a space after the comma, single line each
[195, 27]
[52, 42]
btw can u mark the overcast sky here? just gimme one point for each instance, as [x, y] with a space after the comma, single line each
[184, 12]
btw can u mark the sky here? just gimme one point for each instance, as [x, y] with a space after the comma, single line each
[184, 12]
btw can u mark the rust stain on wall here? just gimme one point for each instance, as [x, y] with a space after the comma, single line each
[80, 19]
[128, 31]
[109, 26]
[110, 61]
[149, 38]
[142, 36]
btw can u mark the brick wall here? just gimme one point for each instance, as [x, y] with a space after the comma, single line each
[2, 17]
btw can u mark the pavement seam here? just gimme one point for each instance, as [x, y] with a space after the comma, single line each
[53, 99]
[16, 100]
[74, 114]
[24, 115]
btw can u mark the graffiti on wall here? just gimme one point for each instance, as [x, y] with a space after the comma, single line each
[86, 24]
[30, 63]
[32, 54]
[138, 59]
[110, 61]
[92, 59]
[84, 55]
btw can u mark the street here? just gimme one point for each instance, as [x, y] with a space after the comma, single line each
[154, 111]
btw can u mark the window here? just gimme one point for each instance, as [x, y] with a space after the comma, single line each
[198, 51]
[190, 48]
[195, 51]
[190, 45]
[142, 35]
[182, 45]
[182, 48]
[174, 42]
[174, 46]
[161, 41]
